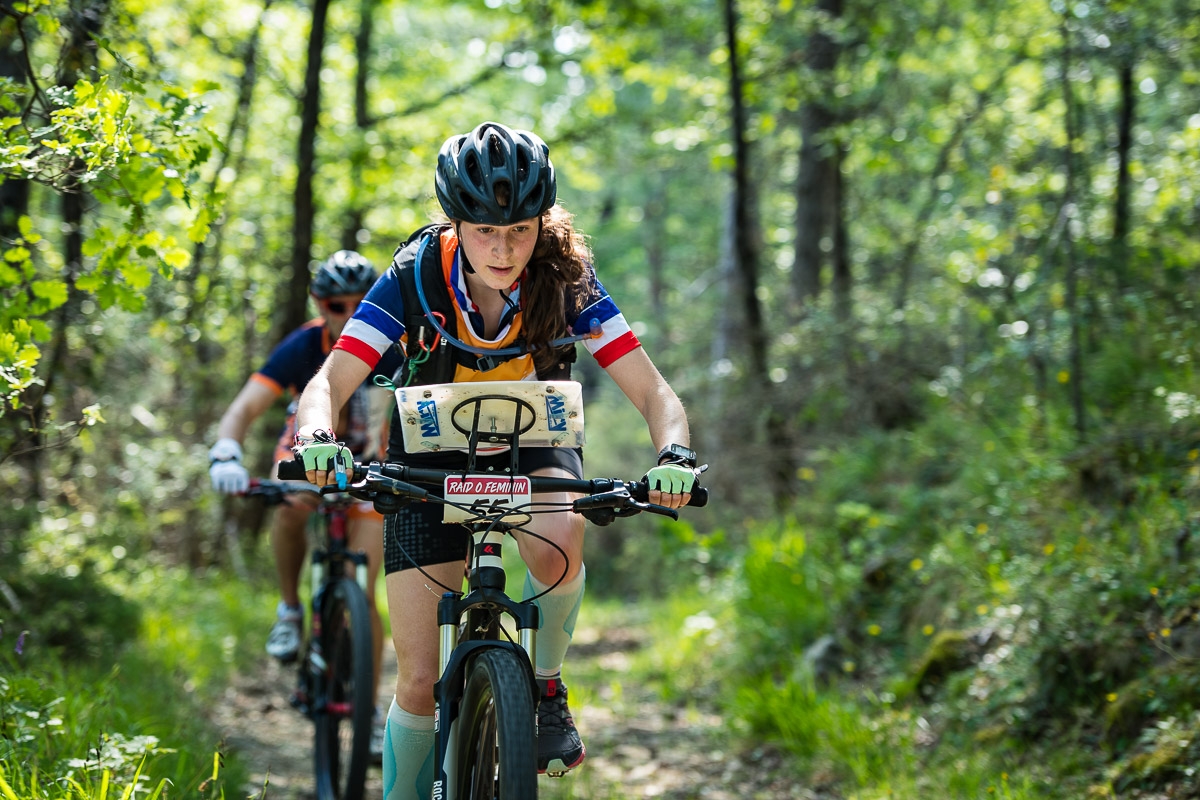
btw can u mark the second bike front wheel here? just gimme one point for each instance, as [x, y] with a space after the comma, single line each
[345, 703]
[497, 742]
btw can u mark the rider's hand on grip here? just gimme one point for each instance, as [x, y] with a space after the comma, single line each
[229, 477]
[671, 479]
[323, 457]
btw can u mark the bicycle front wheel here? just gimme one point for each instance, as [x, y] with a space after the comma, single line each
[346, 700]
[497, 743]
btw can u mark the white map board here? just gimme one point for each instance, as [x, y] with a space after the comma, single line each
[551, 414]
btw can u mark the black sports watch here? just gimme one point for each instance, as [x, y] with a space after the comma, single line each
[677, 454]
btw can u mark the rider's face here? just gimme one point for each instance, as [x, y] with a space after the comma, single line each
[499, 253]
[337, 310]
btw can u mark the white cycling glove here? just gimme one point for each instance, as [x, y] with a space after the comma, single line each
[671, 479]
[225, 467]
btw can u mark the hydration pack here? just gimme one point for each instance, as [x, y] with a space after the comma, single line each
[432, 357]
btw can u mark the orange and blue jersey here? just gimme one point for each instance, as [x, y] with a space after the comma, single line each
[292, 365]
[379, 322]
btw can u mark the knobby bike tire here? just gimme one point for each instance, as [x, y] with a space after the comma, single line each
[497, 740]
[346, 701]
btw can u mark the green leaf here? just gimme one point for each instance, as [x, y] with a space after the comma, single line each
[55, 292]
[38, 330]
[90, 282]
[137, 276]
[177, 257]
[15, 255]
[198, 230]
[94, 246]
[25, 226]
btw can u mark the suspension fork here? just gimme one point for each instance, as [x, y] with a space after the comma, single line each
[486, 595]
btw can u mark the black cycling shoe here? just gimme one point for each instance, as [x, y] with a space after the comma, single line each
[560, 749]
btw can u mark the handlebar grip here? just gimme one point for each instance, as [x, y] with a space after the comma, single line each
[641, 492]
[292, 471]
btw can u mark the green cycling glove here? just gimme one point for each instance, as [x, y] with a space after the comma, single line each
[671, 479]
[327, 457]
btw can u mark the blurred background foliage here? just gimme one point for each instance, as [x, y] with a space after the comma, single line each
[938, 343]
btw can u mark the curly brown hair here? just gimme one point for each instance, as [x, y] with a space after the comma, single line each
[557, 275]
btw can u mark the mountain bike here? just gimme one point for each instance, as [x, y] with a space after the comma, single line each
[335, 684]
[486, 698]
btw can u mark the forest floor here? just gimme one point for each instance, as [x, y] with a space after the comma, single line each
[639, 745]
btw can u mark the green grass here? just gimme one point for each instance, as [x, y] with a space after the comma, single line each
[132, 720]
[870, 747]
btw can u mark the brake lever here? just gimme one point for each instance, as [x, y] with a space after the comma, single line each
[651, 508]
[388, 485]
[622, 504]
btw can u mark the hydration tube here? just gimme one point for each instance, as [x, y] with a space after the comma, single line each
[594, 326]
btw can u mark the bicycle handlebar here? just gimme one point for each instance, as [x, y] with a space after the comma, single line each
[400, 480]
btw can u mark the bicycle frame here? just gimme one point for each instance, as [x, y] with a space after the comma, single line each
[328, 561]
[335, 672]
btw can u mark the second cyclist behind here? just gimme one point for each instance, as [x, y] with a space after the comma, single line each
[337, 287]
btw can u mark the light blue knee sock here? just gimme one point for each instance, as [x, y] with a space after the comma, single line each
[559, 610]
[407, 755]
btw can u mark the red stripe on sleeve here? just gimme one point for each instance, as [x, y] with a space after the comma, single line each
[625, 343]
[359, 348]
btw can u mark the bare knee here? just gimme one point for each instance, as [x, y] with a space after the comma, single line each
[415, 694]
[548, 566]
[545, 561]
[290, 520]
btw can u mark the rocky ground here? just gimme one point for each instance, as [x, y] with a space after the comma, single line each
[638, 745]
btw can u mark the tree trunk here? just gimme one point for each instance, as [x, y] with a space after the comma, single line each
[14, 194]
[1075, 383]
[781, 467]
[295, 306]
[843, 281]
[359, 200]
[14, 204]
[815, 179]
[82, 24]
[1121, 213]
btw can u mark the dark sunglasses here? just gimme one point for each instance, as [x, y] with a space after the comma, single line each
[337, 306]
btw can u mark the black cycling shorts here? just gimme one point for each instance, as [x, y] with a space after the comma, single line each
[415, 536]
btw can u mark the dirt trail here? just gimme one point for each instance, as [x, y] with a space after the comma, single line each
[638, 745]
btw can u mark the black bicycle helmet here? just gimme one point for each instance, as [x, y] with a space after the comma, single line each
[344, 272]
[471, 167]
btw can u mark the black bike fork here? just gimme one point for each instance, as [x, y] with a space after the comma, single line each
[486, 588]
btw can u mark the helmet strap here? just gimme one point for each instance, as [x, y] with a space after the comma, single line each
[466, 262]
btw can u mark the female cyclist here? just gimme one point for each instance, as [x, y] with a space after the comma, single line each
[519, 274]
